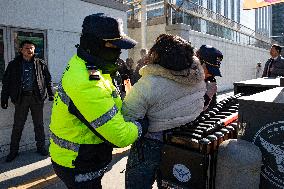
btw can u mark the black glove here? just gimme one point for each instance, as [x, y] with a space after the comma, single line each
[4, 104]
[50, 98]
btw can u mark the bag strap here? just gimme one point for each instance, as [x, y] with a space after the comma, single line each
[73, 110]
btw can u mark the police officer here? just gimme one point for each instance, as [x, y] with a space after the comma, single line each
[210, 59]
[86, 121]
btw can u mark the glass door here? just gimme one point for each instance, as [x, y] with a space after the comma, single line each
[10, 40]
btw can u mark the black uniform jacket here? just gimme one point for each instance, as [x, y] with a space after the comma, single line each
[12, 80]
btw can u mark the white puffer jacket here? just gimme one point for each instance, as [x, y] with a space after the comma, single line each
[168, 98]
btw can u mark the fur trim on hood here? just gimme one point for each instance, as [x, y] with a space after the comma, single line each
[191, 76]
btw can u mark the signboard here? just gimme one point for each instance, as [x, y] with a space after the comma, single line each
[254, 4]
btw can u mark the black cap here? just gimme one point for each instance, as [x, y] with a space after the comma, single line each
[108, 29]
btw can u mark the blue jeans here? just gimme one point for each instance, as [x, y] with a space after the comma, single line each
[143, 164]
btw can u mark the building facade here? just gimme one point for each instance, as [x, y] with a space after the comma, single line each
[263, 20]
[222, 18]
[204, 22]
[277, 32]
[269, 22]
[53, 25]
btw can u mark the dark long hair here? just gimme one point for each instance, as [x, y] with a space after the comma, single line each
[171, 52]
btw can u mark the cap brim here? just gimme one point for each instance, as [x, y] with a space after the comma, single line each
[214, 70]
[124, 43]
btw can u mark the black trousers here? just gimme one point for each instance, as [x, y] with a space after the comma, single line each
[67, 175]
[28, 102]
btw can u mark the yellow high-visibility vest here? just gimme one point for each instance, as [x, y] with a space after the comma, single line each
[98, 102]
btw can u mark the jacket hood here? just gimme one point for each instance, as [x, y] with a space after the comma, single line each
[191, 76]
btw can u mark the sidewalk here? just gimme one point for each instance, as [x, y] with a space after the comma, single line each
[30, 170]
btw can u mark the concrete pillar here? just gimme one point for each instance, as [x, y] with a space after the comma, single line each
[238, 165]
[143, 24]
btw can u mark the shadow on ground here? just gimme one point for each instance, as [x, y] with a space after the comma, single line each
[30, 167]
[27, 166]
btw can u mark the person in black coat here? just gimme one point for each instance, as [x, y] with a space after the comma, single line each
[140, 63]
[125, 73]
[275, 65]
[27, 82]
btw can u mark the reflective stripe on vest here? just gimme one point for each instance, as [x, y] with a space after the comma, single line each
[104, 118]
[64, 143]
[62, 94]
[90, 176]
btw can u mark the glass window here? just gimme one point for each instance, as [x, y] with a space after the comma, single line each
[239, 11]
[37, 38]
[2, 61]
[226, 11]
[153, 1]
[195, 23]
[210, 5]
[179, 2]
[218, 6]
[155, 13]
[232, 10]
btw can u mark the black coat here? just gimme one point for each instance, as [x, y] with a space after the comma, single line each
[277, 67]
[12, 80]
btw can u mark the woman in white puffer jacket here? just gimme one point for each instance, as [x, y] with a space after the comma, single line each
[170, 94]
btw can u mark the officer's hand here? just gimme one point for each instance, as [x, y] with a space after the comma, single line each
[50, 98]
[4, 104]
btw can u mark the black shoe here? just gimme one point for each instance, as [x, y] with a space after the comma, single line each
[42, 151]
[11, 156]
